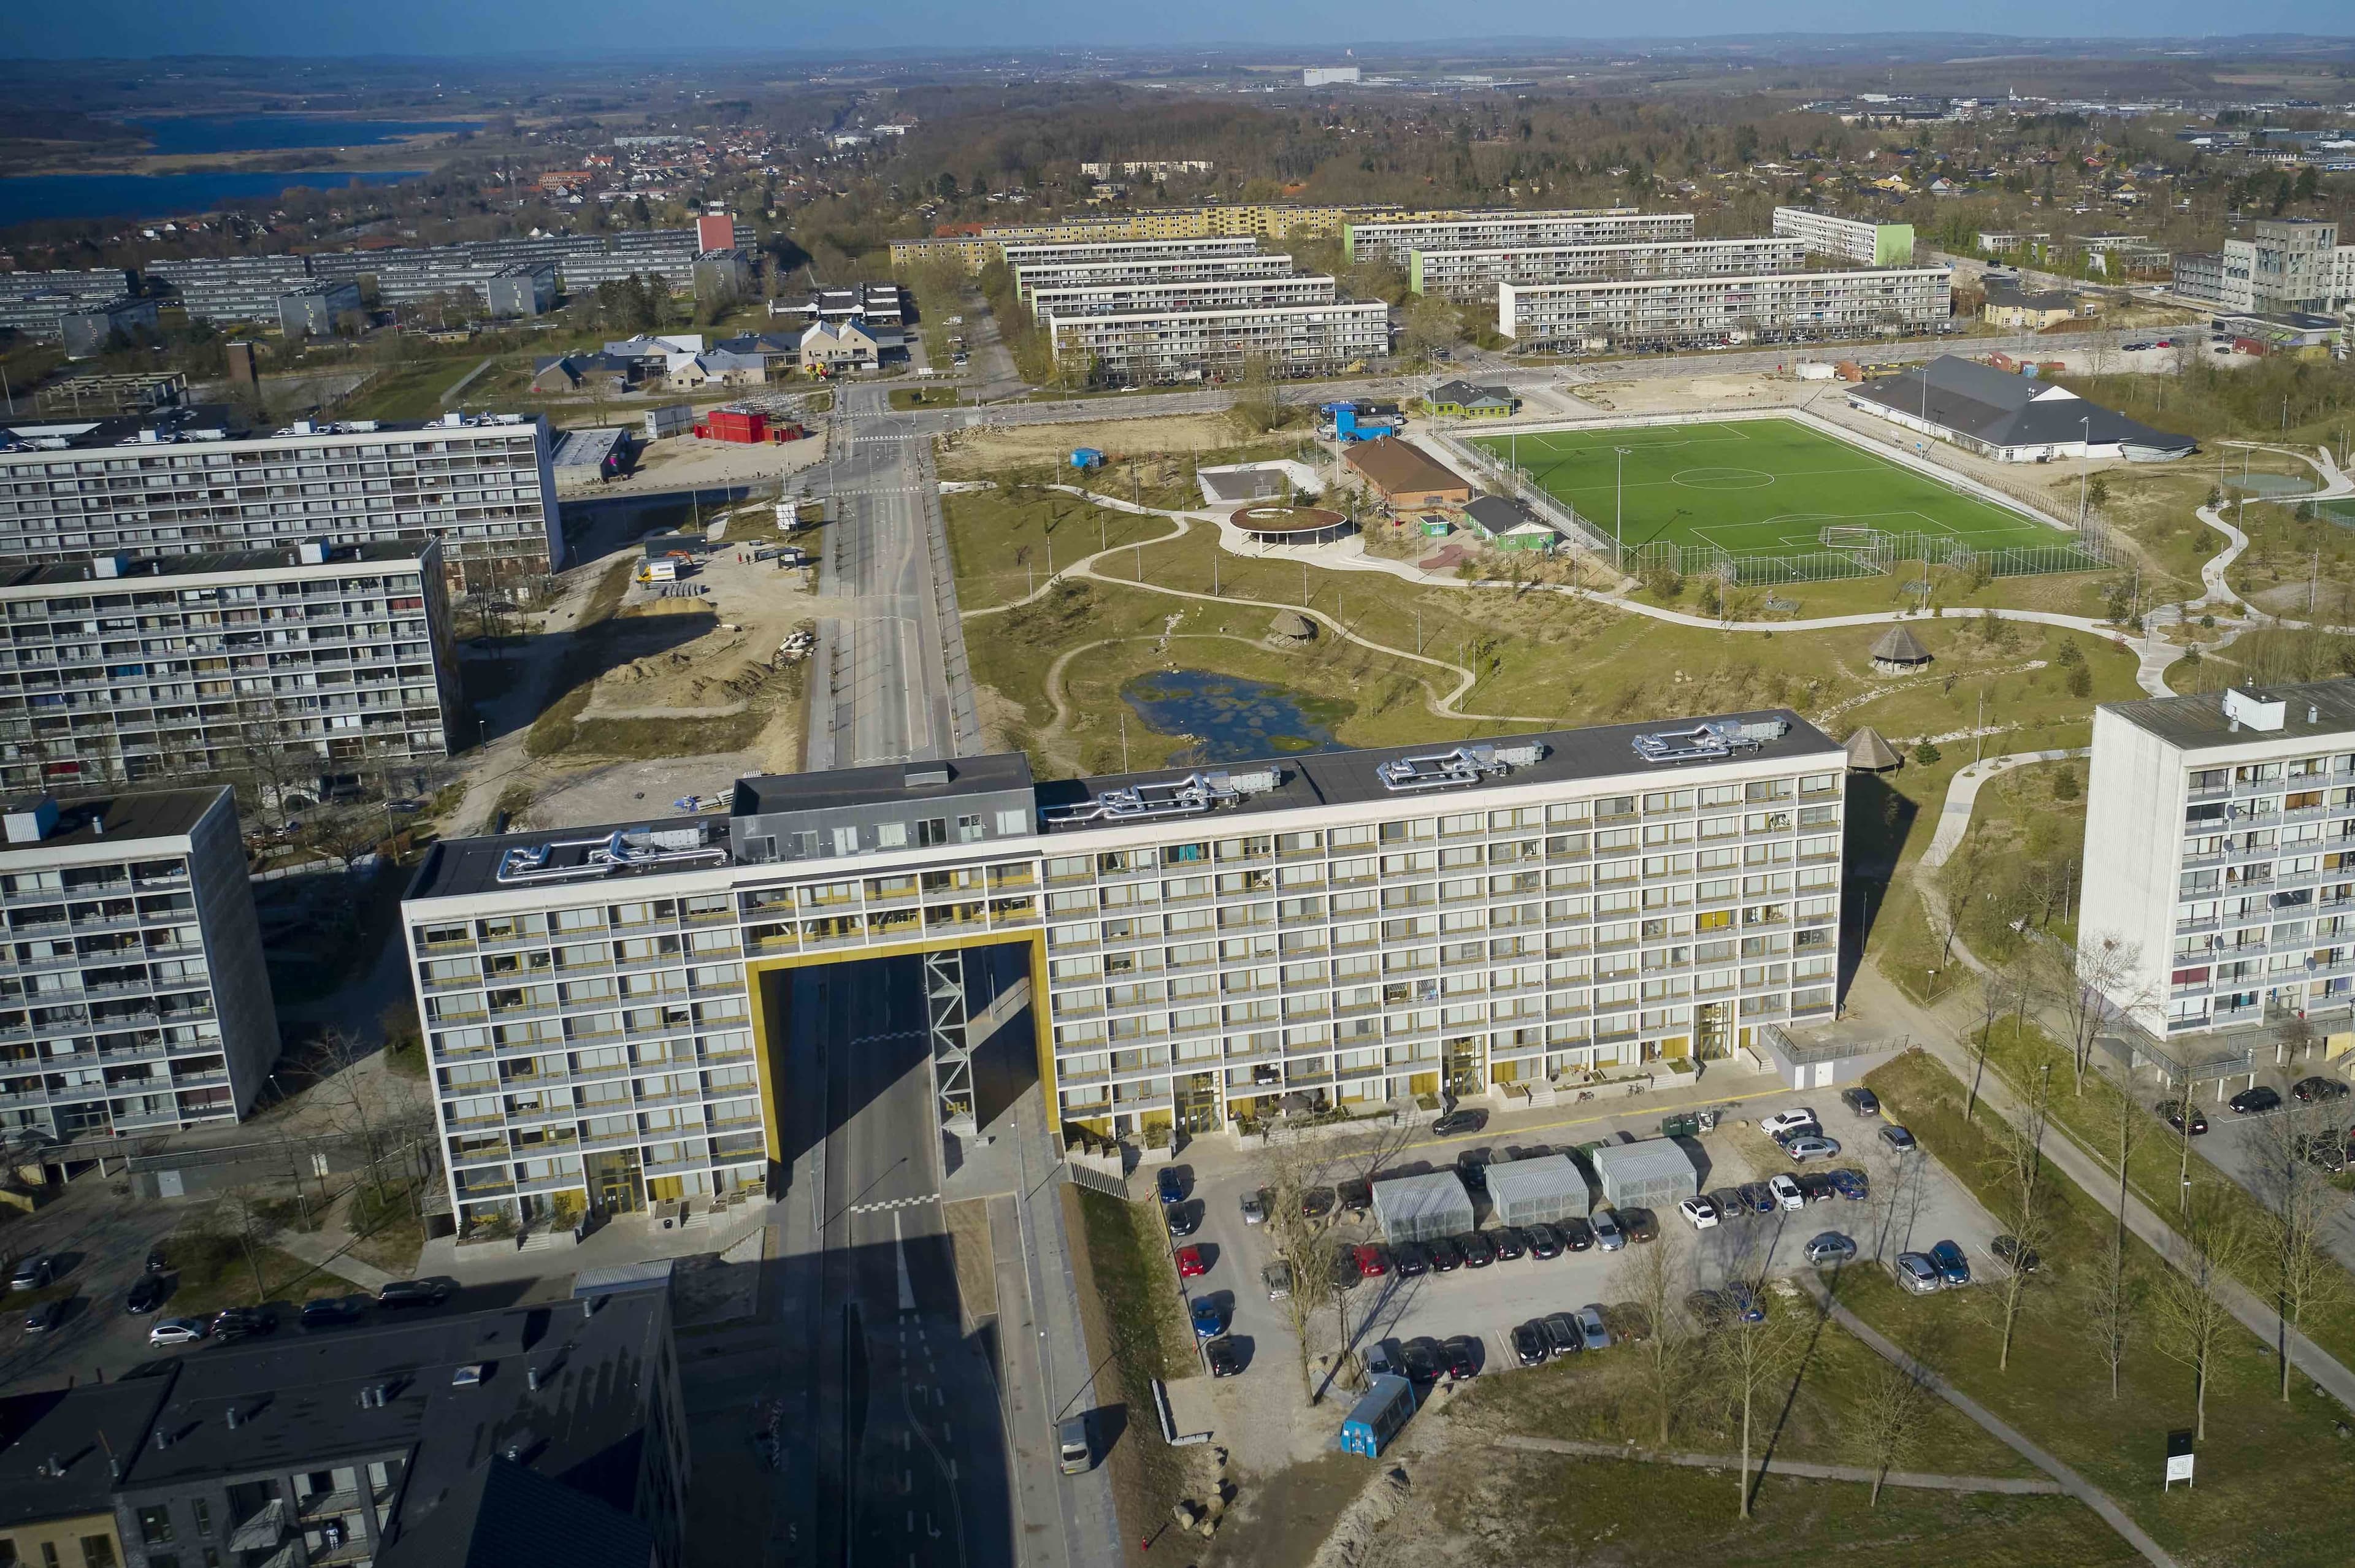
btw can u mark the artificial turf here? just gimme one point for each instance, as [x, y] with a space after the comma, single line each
[1762, 486]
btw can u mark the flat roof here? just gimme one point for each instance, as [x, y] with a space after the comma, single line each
[218, 563]
[2199, 722]
[765, 795]
[200, 422]
[81, 1426]
[128, 819]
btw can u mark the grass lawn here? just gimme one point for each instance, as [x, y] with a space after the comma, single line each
[2272, 1474]
[905, 397]
[1757, 487]
[211, 1272]
[1130, 1316]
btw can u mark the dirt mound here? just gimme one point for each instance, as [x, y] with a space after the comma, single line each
[1361, 1523]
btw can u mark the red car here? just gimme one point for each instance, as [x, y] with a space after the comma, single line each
[1189, 1263]
[1371, 1263]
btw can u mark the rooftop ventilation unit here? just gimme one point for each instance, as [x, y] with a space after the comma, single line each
[1463, 765]
[1711, 739]
[625, 849]
[1193, 794]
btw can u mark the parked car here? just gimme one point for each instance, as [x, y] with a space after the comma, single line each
[1729, 1203]
[45, 1315]
[1276, 1276]
[1445, 1256]
[1831, 1247]
[1073, 1455]
[1191, 1264]
[1590, 1327]
[2009, 1251]
[1170, 1184]
[1344, 1274]
[1898, 1138]
[1577, 1234]
[1511, 1244]
[147, 1295]
[1917, 1274]
[1422, 1360]
[1371, 1262]
[1471, 1165]
[1456, 1124]
[1607, 1233]
[1545, 1241]
[2256, 1102]
[1810, 1146]
[1641, 1224]
[2324, 1151]
[32, 1272]
[1356, 1195]
[1782, 1122]
[1479, 1250]
[2309, 1091]
[1184, 1218]
[1760, 1197]
[1861, 1101]
[1316, 1202]
[1953, 1267]
[1384, 1357]
[1744, 1304]
[1225, 1360]
[1530, 1345]
[1463, 1354]
[1706, 1307]
[1255, 1207]
[1699, 1212]
[176, 1331]
[332, 1311]
[1409, 1259]
[1787, 1192]
[2172, 1112]
[1563, 1337]
[243, 1322]
[413, 1293]
[1209, 1321]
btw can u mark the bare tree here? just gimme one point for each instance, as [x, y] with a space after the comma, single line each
[2192, 1317]
[2109, 1306]
[1887, 1420]
[2086, 981]
[2023, 1206]
[1993, 1000]
[1653, 1278]
[356, 1107]
[343, 837]
[2299, 1203]
[1294, 1184]
[1748, 1360]
[245, 1220]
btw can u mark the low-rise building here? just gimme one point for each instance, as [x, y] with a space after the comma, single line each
[132, 995]
[2031, 310]
[1463, 401]
[1781, 307]
[1861, 240]
[829, 347]
[1405, 476]
[2010, 418]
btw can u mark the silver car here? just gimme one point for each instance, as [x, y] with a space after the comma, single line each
[1256, 1205]
[1591, 1329]
[1607, 1233]
[1917, 1274]
[1831, 1247]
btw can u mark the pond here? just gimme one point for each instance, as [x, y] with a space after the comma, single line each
[1231, 719]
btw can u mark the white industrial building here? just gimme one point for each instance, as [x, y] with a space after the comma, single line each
[1474, 274]
[1390, 240]
[2220, 860]
[1032, 276]
[1857, 240]
[133, 992]
[1144, 347]
[332, 659]
[187, 481]
[1350, 928]
[1767, 307]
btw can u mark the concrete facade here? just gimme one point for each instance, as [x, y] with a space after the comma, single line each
[1784, 308]
[1146, 347]
[1391, 240]
[1861, 240]
[1474, 274]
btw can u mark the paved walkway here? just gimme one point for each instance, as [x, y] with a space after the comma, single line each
[1963, 793]
[2015, 1485]
[326, 1249]
[2069, 1481]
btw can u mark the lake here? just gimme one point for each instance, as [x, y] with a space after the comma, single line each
[25, 198]
[1234, 719]
[184, 134]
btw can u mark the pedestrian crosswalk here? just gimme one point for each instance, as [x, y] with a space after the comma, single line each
[885, 1205]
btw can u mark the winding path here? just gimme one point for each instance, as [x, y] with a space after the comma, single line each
[1963, 793]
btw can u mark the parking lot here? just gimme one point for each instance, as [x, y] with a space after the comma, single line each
[1912, 1204]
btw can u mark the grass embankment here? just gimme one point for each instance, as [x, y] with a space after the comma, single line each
[2271, 1472]
[1130, 1315]
[212, 1270]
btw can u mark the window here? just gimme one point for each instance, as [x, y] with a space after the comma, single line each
[968, 829]
[932, 830]
[845, 840]
[1012, 822]
[155, 1525]
[97, 1551]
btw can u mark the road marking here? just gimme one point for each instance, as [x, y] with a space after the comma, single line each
[885, 1205]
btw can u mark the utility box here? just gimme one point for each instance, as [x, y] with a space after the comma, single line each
[1547, 1188]
[1419, 1208]
[1084, 457]
[675, 419]
[1649, 1174]
[1376, 1416]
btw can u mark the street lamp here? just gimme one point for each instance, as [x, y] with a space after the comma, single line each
[1619, 508]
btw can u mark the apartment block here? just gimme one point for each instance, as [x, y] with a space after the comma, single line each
[317, 310]
[1258, 220]
[2220, 858]
[1174, 346]
[232, 288]
[1474, 274]
[1391, 240]
[188, 481]
[1783, 307]
[1019, 257]
[1857, 239]
[96, 284]
[2199, 275]
[1198, 293]
[2289, 265]
[119, 672]
[1031, 276]
[1356, 926]
[132, 992]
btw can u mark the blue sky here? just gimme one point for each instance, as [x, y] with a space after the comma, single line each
[1303, 28]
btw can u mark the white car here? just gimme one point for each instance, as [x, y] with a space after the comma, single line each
[1787, 1192]
[1699, 1211]
[176, 1331]
[1782, 1122]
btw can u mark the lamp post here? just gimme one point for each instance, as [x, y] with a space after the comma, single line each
[1618, 510]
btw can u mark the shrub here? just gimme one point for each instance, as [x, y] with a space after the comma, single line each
[1926, 752]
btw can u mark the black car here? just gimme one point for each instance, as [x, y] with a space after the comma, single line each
[1511, 1244]
[413, 1293]
[1530, 1345]
[1815, 1186]
[1456, 1124]
[1544, 1240]
[1563, 1337]
[2324, 1151]
[1479, 1250]
[1423, 1361]
[2013, 1255]
[1225, 1360]
[2257, 1100]
[1641, 1224]
[1463, 1359]
[2171, 1111]
[1409, 1259]
[1471, 1165]
[1577, 1235]
[1185, 1218]
[147, 1295]
[1316, 1202]
[1446, 1257]
[1356, 1197]
[46, 1316]
[1862, 1101]
[2307, 1091]
[244, 1322]
[334, 1311]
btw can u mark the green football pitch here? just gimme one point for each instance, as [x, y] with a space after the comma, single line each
[1757, 487]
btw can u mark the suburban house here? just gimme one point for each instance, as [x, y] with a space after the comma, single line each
[586, 373]
[847, 346]
[1405, 477]
[1463, 401]
[1503, 524]
[2024, 311]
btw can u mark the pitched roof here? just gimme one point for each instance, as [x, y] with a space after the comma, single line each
[1461, 392]
[1900, 645]
[1292, 624]
[1395, 466]
[1869, 751]
[2004, 409]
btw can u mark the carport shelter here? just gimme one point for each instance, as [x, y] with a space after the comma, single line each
[1419, 1208]
[1547, 1186]
[1646, 1175]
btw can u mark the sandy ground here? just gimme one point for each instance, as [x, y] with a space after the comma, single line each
[757, 603]
[983, 449]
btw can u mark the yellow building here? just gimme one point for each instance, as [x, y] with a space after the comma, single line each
[1266, 221]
